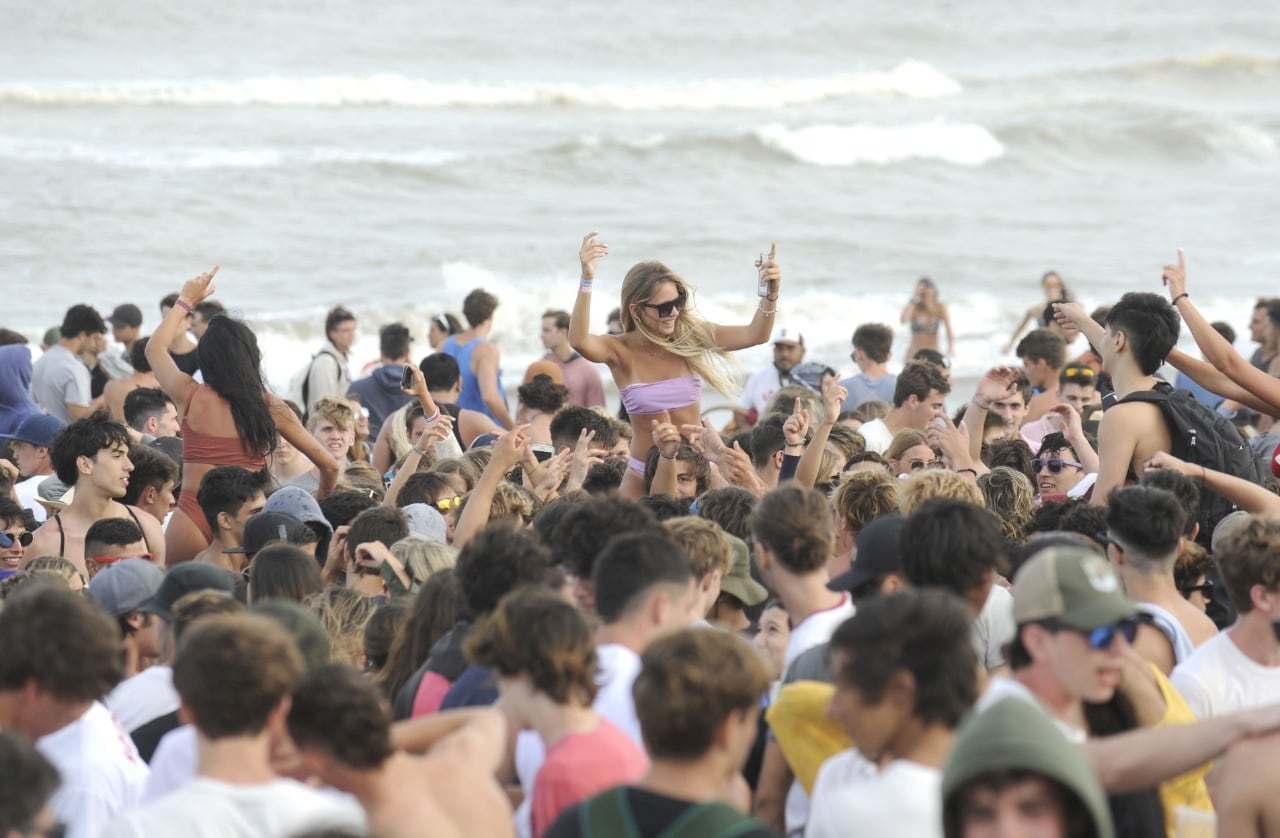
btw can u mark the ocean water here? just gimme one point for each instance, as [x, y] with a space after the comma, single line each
[392, 157]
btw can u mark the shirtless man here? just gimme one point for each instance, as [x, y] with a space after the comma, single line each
[343, 736]
[92, 456]
[1140, 331]
[1246, 801]
[229, 496]
[115, 391]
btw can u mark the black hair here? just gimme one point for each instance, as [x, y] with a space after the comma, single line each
[605, 476]
[951, 544]
[1052, 442]
[767, 439]
[665, 507]
[1181, 486]
[336, 316]
[208, 309]
[1043, 345]
[1012, 452]
[168, 301]
[1084, 518]
[231, 363]
[340, 508]
[572, 420]
[284, 571]
[394, 340]
[543, 394]
[584, 530]
[925, 633]
[550, 516]
[138, 355]
[500, 558]
[1147, 521]
[110, 532]
[82, 319]
[384, 524]
[731, 508]
[1151, 325]
[633, 563]
[875, 340]
[143, 403]
[226, 489]
[150, 468]
[32, 781]
[441, 371]
[85, 437]
[339, 711]
[10, 512]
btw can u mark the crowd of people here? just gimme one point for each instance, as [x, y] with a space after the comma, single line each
[391, 602]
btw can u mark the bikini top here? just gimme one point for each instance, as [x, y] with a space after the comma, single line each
[62, 533]
[208, 449]
[924, 323]
[657, 396]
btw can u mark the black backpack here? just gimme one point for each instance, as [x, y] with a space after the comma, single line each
[1205, 437]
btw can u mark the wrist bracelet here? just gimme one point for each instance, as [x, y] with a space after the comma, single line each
[433, 417]
[972, 471]
[183, 304]
[665, 457]
[766, 312]
[793, 445]
[978, 403]
[418, 451]
[774, 298]
[1180, 296]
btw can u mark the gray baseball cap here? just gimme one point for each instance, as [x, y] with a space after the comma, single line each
[123, 586]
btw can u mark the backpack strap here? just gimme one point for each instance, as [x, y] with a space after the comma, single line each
[710, 820]
[1161, 392]
[607, 815]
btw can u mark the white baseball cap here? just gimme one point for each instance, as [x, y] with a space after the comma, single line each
[791, 336]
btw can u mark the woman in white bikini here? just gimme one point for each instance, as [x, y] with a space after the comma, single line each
[666, 350]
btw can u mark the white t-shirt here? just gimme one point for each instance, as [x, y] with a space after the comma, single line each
[813, 630]
[174, 763]
[876, 434]
[27, 496]
[101, 772]
[1163, 619]
[994, 627]
[903, 799]
[760, 388]
[845, 769]
[619, 667]
[144, 697]
[206, 808]
[1002, 687]
[1219, 679]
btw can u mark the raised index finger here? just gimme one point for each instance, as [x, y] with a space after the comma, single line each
[773, 250]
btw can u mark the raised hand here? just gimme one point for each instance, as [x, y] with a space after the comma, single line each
[554, 472]
[1070, 314]
[796, 429]
[950, 440]
[833, 396]
[582, 460]
[706, 440]
[1175, 277]
[590, 253]
[1163, 459]
[508, 447]
[770, 272]
[997, 384]
[199, 289]
[1065, 419]
[665, 435]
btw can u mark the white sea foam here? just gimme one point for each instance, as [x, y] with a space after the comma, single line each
[214, 157]
[849, 145]
[910, 79]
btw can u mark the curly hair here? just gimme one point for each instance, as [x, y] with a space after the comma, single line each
[936, 483]
[1012, 498]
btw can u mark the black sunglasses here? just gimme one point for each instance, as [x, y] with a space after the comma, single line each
[1205, 589]
[667, 308]
[24, 538]
[1055, 464]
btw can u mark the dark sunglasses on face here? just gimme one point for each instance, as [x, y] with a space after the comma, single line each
[1205, 589]
[23, 538]
[1103, 636]
[1055, 464]
[666, 309]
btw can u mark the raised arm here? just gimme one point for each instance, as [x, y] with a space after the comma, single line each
[733, 338]
[1220, 354]
[595, 348]
[1248, 496]
[308, 446]
[667, 439]
[1013, 339]
[997, 384]
[506, 455]
[176, 383]
[1215, 381]
[833, 395]
[1072, 315]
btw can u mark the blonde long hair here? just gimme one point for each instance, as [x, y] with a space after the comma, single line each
[694, 338]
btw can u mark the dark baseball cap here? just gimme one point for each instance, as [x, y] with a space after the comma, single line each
[266, 527]
[879, 553]
[38, 429]
[184, 579]
[126, 314]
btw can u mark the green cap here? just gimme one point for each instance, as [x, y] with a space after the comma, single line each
[1073, 585]
[738, 582]
[1016, 735]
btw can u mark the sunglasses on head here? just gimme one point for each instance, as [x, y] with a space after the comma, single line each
[445, 504]
[1055, 464]
[23, 538]
[666, 309]
[1079, 375]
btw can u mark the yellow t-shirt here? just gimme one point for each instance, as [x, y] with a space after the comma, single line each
[807, 737]
[1188, 789]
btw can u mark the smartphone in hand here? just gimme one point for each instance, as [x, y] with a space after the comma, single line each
[763, 290]
[406, 377]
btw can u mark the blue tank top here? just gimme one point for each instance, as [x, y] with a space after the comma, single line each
[469, 398]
